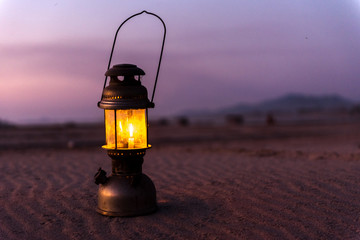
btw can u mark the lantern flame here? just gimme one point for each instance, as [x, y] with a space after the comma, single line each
[131, 130]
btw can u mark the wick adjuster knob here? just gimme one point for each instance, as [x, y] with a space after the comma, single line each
[100, 177]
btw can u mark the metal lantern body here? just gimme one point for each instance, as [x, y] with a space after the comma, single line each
[127, 191]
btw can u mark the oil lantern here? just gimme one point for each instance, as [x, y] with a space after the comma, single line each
[127, 191]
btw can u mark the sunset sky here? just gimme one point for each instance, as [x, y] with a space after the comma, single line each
[53, 54]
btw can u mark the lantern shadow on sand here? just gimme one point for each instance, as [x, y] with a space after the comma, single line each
[127, 191]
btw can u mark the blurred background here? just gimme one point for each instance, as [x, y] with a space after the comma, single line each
[241, 60]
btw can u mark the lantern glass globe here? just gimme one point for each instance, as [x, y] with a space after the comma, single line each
[126, 129]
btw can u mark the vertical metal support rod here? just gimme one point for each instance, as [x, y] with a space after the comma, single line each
[147, 128]
[115, 129]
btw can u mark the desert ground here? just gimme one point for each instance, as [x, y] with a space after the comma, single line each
[293, 181]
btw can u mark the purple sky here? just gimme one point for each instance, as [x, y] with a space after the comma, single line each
[53, 54]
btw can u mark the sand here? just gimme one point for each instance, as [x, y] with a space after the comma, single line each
[233, 182]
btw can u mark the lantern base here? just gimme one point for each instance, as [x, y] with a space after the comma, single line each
[127, 195]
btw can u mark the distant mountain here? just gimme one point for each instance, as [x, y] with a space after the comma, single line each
[289, 103]
[294, 102]
[298, 101]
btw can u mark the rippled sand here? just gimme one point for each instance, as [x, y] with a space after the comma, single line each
[212, 183]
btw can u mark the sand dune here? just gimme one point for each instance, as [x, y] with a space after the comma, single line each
[279, 186]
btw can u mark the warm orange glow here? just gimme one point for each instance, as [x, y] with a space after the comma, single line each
[110, 129]
[131, 129]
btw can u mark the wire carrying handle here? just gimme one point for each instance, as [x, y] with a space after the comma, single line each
[161, 53]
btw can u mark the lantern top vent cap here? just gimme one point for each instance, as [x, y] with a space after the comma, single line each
[124, 70]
